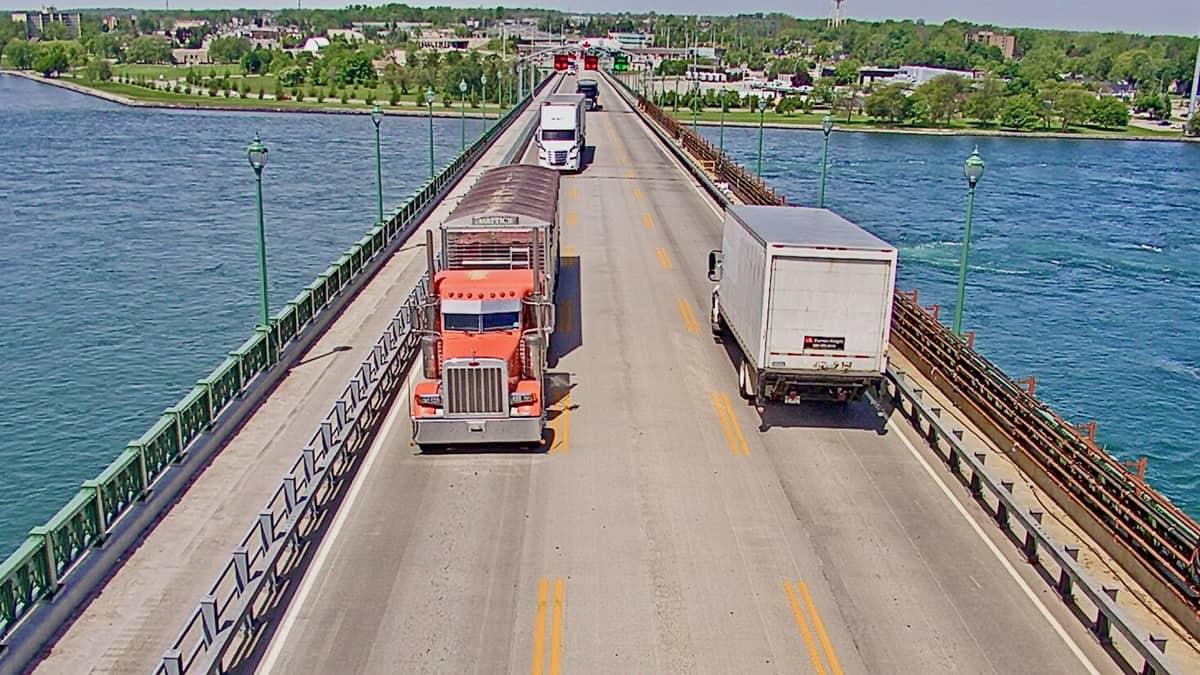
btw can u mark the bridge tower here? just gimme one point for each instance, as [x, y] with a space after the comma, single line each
[836, 17]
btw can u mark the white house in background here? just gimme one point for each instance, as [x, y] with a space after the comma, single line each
[348, 34]
[918, 75]
[315, 44]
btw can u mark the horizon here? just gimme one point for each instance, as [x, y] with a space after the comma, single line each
[1102, 16]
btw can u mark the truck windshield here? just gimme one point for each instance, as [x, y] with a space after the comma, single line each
[477, 323]
[558, 134]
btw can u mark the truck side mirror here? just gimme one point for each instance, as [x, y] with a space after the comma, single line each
[715, 260]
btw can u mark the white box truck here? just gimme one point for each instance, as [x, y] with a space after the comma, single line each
[562, 132]
[806, 295]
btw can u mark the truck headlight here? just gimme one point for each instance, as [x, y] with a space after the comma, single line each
[520, 398]
[430, 400]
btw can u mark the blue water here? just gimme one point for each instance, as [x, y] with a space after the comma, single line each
[129, 265]
[1084, 265]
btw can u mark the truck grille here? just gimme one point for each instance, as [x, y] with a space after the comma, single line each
[558, 157]
[478, 389]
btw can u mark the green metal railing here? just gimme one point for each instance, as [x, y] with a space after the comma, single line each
[36, 569]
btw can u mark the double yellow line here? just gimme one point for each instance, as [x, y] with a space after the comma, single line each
[663, 259]
[834, 667]
[647, 220]
[561, 424]
[689, 317]
[556, 628]
[729, 424]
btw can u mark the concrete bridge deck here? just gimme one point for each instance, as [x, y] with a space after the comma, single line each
[666, 527]
[662, 531]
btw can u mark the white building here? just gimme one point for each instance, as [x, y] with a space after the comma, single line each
[918, 75]
[633, 40]
[315, 44]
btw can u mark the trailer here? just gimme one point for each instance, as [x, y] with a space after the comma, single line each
[806, 295]
[494, 225]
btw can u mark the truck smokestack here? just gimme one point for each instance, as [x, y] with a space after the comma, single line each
[429, 257]
[537, 263]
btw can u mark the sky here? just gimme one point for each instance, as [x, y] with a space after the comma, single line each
[1155, 17]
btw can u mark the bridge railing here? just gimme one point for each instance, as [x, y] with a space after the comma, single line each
[40, 566]
[1141, 520]
[225, 621]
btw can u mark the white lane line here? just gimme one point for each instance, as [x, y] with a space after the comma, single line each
[1054, 623]
[314, 571]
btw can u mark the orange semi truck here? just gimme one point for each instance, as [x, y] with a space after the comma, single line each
[487, 324]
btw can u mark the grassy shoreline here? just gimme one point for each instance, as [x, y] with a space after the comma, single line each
[136, 96]
[958, 127]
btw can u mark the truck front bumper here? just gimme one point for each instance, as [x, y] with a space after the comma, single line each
[459, 431]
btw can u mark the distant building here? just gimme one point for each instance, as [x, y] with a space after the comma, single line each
[633, 40]
[918, 75]
[191, 57]
[36, 22]
[264, 37]
[1006, 43]
[347, 34]
[315, 44]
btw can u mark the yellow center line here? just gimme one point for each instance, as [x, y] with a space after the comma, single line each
[736, 427]
[556, 630]
[629, 173]
[816, 618]
[647, 221]
[572, 218]
[716, 401]
[569, 252]
[624, 160]
[808, 639]
[573, 193]
[562, 428]
[689, 318]
[539, 628]
[637, 194]
[663, 258]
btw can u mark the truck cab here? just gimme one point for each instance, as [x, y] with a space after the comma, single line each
[590, 89]
[561, 134]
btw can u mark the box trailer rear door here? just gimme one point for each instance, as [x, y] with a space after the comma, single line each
[825, 310]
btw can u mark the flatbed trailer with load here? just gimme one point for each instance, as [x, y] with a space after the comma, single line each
[806, 295]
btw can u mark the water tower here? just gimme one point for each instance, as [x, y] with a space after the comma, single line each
[836, 17]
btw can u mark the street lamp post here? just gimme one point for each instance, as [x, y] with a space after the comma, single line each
[377, 117]
[462, 110]
[762, 113]
[483, 93]
[429, 103]
[695, 107]
[721, 143]
[826, 128]
[973, 170]
[257, 154]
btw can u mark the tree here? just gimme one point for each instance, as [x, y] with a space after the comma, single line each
[1150, 101]
[256, 62]
[1021, 112]
[846, 71]
[1074, 106]
[890, 103]
[55, 30]
[51, 60]
[1110, 112]
[986, 102]
[20, 53]
[147, 49]
[98, 70]
[942, 95]
[847, 100]
[291, 76]
[822, 91]
[357, 68]
[802, 78]
[228, 49]
[104, 45]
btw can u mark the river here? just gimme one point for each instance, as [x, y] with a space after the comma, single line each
[129, 262]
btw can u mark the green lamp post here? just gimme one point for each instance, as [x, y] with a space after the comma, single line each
[429, 103]
[826, 128]
[762, 114]
[377, 118]
[696, 103]
[462, 110]
[724, 102]
[973, 170]
[483, 95]
[257, 154]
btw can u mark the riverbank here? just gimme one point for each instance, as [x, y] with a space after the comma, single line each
[141, 97]
[811, 122]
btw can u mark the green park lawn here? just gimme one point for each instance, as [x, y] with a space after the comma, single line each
[862, 122]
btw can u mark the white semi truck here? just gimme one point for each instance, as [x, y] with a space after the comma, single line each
[806, 295]
[562, 132]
